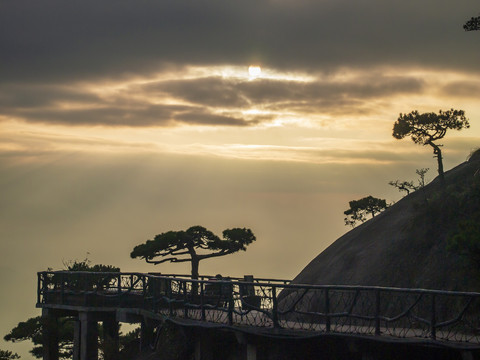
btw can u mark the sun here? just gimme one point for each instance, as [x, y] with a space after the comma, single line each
[254, 71]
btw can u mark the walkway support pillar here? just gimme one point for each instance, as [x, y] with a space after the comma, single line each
[110, 338]
[88, 336]
[50, 334]
[251, 351]
[246, 349]
[76, 339]
[203, 346]
[147, 328]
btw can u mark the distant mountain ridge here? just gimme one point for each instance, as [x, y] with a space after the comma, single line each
[405, 246]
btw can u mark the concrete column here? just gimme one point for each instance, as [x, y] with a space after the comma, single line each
[146, 333]
[76, 340]
[203, 346]
[251, 352]
[50, 334]
[110, 339]
[198, 349]
[88, 336]
[246, 349]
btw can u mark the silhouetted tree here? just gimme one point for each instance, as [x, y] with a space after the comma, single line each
[85, 265]
[426, 128]
[193, 245]
[408, 186]
[8, 355]
[31, 329]
[472, 24]
[360, 209]
[421, 173]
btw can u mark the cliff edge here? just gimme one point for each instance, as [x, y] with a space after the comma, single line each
[406, 245]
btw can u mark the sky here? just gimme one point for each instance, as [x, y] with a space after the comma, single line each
[120, 120]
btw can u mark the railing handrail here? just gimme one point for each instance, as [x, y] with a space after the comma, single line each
[212, 279]
[189, 276]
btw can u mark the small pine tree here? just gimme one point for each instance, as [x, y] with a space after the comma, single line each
[361, 209]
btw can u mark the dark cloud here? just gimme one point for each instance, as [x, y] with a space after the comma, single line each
[44, 104]
[210, 91]
[323, 95]
[330, 106]
[116, 113]
[226, 93]
[363, 87]
[464, 89]
[205, 101]
[153, 115]
[51, 49]
[56, 40]
[37, 96]
[205, 118]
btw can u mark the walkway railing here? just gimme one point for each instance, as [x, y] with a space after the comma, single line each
[274, 304]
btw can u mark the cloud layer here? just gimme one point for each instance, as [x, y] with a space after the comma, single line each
[212, 100]
[347, 58]
[62, 41]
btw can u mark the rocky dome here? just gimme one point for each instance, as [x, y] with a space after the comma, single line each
[400, 247]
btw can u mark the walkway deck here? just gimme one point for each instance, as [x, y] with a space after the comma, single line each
[274, 307]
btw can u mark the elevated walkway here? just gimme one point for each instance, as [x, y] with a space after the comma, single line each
[249, 307]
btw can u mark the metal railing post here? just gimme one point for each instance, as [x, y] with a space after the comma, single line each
[62, 288]
[275, 307]
[170, 296]
[202, 307]
[185, 299]
[230, 303]
[144, 290]
[119, 284]
[132, 281]
[327, 311]
[85, 289]
[46, 280]
[39, 286]
[377, 312]
[433, 319]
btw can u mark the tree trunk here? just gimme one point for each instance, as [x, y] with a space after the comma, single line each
[195, 264]
[195, 274]
[438, 154]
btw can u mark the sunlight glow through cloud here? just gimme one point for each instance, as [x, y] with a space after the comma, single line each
[168, 112]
